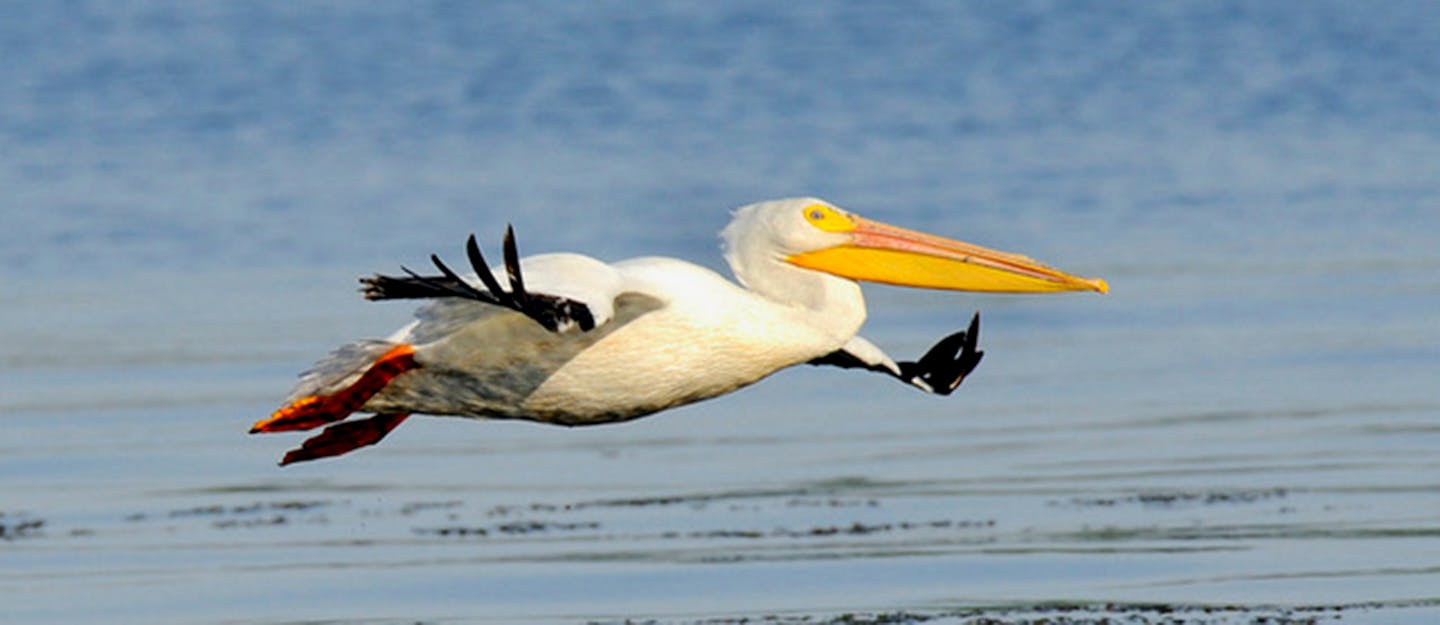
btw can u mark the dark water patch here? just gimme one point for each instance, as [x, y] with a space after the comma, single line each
[416, 507]
[1077, 614]
[18, 526]
[249, 515]
[278, 487]
[853, 529]
[278, 519]
[1254, 533]
[698, 500]
[1177, 498]
[828, 494]
[248, 509]
[455, 518]
[518, 528]
[833, 502]
[509, 519]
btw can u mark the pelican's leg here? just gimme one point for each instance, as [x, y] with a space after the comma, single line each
[316, 410]
[343, 438]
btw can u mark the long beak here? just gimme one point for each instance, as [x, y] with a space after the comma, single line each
[888, 254]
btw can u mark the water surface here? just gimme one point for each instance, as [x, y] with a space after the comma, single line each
[1244, 428]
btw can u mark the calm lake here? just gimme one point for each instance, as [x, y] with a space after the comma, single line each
[1245, 428]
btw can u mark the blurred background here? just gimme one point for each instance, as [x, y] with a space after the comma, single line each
[1249, 419]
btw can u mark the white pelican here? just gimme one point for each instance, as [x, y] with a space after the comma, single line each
[573, 341]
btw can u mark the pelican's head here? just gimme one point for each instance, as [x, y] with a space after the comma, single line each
[814, 234]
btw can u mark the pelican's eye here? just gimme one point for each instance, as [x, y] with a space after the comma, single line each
[828, 219]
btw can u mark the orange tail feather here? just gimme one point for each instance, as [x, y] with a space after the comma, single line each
[316, 410]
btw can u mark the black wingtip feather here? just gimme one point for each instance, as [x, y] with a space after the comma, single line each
[460, 286]
[482, 269]
[512, 267]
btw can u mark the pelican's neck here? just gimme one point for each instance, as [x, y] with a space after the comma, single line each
[829, 302]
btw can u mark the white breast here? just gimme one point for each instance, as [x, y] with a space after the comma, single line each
[710, 337]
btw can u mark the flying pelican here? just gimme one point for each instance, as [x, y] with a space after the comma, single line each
[572, 341]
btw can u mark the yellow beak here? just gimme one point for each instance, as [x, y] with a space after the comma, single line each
[888, 254]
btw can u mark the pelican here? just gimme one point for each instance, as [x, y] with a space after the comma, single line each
[572, 341]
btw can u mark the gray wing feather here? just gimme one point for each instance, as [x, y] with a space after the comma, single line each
[485, 360]
[339, 369]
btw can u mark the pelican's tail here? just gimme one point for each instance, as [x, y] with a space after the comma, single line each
[318, 408]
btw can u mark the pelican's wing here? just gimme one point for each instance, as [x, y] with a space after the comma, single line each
[554, 311]
[940, 371]
[581, 293]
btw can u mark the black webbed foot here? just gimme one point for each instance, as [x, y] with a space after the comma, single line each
[551, 311]
[945, 365]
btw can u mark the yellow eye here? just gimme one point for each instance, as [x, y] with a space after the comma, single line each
[828, 219]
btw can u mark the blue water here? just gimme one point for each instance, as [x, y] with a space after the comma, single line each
[1249, 419]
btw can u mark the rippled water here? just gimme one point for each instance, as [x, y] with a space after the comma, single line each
[1244, 428]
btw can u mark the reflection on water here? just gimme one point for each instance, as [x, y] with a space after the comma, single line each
[1244, 429]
